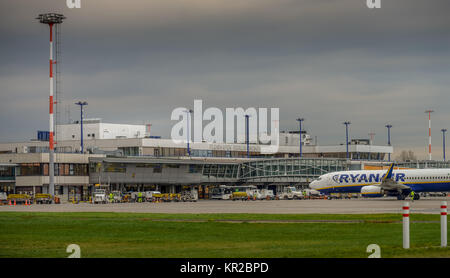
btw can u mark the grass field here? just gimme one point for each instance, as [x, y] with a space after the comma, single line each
[135, 235]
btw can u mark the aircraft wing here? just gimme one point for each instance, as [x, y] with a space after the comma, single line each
[388, 183]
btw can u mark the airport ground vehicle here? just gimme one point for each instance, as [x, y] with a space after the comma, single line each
[239, 195]
[290, 193]
[240, 192]
[148, 195]
[19, 198]
[41, 198]
[135, 196]
[311, 193]
[433, 194]
[222, 192]
[189, 195]
[117, 197]
[99, 196]
[3, 198]
[267, 194]
[342, 196]
[254, 194]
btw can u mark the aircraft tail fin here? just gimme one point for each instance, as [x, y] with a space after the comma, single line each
[388, 174]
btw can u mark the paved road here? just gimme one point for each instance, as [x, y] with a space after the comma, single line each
[354, 206]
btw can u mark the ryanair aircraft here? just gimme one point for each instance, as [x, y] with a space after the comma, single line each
[378, 183]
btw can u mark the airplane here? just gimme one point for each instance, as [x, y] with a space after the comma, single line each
[378, 183]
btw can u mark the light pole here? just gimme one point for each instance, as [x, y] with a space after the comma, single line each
[188, 113]
[346, 135]
[389, 126]
[81, 104]
[247, 141]
[443, 141]
[300, 120]
[51, 19]
[371, 134]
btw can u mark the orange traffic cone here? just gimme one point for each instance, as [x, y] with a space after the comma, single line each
[14, 201]
[10, 202]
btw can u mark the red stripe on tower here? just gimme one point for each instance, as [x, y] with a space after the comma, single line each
[51, 105]
[51, 140]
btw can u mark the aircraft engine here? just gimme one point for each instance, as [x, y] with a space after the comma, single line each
[372, 191]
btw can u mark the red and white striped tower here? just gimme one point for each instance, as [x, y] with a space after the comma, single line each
[51, 102]
[429, 132]
[51, 19]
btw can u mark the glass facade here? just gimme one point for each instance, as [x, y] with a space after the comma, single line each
[424, 164]
[61, 169]
[305, 167]
[7, 172]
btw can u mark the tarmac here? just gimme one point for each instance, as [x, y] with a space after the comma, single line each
[343, 206]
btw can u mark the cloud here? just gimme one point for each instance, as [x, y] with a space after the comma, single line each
[328, 61]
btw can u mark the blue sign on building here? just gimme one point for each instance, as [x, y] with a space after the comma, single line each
[43, 135]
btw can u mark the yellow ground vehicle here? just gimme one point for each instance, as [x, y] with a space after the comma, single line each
[41, 198]
[169, 197]
[237, 192]
[157, 197]
[239, 195]
[19, 198]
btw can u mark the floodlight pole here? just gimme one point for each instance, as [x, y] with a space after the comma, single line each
[346, 136]
[188, 112]
[429, 132]
[389, 126]
[51, 19]
[81, 104]
[300, 120]
[247, 130]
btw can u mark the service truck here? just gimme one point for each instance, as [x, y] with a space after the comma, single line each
[3, 198]
[42, 198]
[100, 196]
[117, 196]
[267, 194]
[289, 193]
[149, 195]
[189, 195]
[254, 194]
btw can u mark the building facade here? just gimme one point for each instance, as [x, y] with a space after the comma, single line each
[31, 173]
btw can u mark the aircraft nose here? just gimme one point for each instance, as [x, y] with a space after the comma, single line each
[313, 185]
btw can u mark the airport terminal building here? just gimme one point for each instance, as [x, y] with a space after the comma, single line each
[126, 157]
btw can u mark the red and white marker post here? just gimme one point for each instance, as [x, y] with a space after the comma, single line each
[444, 224]
[406, 225]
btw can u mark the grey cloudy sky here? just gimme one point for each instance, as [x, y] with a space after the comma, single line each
[328, 61]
